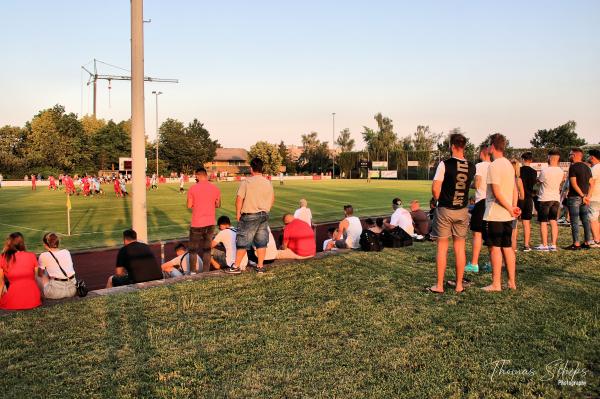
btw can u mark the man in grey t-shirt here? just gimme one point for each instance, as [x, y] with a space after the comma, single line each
[254, 200]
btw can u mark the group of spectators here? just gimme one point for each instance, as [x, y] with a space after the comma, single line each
[506, 192]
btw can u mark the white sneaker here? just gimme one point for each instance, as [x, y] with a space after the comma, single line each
[541, 248]
[594, 244]
[552, 248]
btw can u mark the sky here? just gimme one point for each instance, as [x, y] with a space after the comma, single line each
[273, 70]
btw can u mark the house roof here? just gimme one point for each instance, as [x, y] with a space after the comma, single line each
[231, 154]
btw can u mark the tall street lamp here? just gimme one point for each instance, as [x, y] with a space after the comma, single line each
[333, 145]
[156, 94]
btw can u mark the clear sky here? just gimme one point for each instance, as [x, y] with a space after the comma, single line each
[272, 70]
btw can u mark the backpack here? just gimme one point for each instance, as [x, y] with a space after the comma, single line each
[370, 241]
[396, 238]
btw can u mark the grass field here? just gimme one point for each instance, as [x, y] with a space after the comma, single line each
[353, 325]
[99, 221]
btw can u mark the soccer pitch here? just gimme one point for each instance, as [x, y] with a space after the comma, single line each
[99, 221]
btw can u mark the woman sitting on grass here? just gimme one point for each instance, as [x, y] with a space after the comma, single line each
[56, 273]
[18, 267]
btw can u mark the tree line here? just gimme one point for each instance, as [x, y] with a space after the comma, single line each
[55, 141]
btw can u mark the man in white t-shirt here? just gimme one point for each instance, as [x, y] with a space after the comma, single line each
[224, 248]
[500, 211]
[303, 213]
[400, 218]
[595, 196]
[551, 179]
[476, 222]
[180, 264]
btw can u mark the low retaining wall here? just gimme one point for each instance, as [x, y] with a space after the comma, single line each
[95, 266]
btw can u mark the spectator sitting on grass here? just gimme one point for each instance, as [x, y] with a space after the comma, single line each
[372, 226]
[349, 230]
[56, 273]
[303, 213]
[18, 267]
[180, 264]
[379, 226]
[223, 246]
[401, 218]
[420, 219]
[329, 243]
[298, 239]
[135, 263]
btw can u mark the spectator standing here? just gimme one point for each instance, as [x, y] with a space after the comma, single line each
[551, 180]
[56, 270]
[476, 222]
[254, 200]
[19, 268]
[303, 213]
[136, 263]
[578, 199]
[450, 189]
[595, 196]
[203, 198]
[529, 179]
[500, 211]
[298, 239]
[33, 182]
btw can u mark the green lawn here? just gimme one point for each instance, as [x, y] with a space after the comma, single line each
[353, 325]
[99, 221]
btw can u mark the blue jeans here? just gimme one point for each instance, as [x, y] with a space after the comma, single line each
[579, 210]
[253, 229]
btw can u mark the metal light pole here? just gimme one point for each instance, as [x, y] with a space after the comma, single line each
[333, 145]
[156, 94]
[138, 173]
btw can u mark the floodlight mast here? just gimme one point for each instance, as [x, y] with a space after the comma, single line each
[95, 76]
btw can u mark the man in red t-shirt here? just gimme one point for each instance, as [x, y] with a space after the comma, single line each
[203, 198]
[298, 239]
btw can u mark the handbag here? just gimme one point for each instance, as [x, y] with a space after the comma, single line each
[80, 286]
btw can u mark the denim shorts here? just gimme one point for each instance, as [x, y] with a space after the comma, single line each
[253, 229]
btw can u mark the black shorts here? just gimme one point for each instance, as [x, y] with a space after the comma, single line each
[118, 281]
[497, 234]
[476, 223]
[548, 211]
[526, 207]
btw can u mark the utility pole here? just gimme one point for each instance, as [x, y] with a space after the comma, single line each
[333, 145]
[156, 94]
[138, 173]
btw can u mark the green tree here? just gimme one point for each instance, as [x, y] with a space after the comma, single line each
[316, 157]
[344, 141]
[184, 148]
[91, 125]
[563, 136]
[381, 141]
[444, 146]
[269, 154]
[11, 142]
[55, 139]
[109, 143]
[286, 160]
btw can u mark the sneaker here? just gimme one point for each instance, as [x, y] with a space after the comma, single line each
[260, 270]
[472, 268]
[487, 267]
[585, 245]
[552, 248]
[594, 244]
[542, 247]
[526, 249]
[233, 270]
[573, 247]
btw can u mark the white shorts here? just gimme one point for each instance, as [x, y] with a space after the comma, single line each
[595, 210]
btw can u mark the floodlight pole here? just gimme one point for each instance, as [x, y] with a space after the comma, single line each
[138, 173]
[333, 145]
[156, 94]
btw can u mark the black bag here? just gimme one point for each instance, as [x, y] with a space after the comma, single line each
[370, 241]
[80, 286]
[396, 238]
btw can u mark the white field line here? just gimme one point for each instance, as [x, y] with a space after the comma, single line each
[21, 227]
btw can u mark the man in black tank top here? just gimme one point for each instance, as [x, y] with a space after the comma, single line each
[450, 188]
